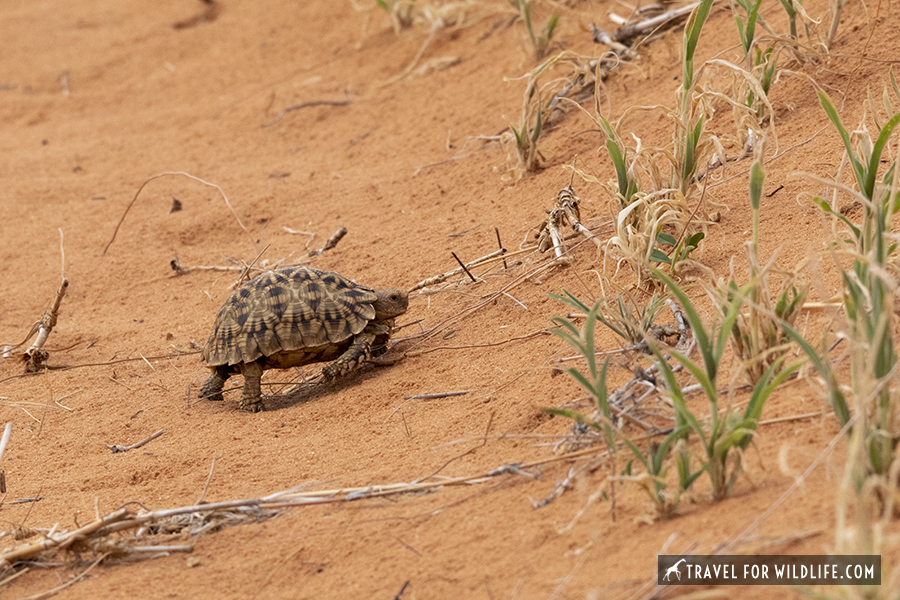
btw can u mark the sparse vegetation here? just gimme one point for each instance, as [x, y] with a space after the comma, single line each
[680, 421]
[722, 437]
[869, 493]
[869, 288]
[757, 336]
[540, 40]
[543, 89]
[400, 12]
[654, 460]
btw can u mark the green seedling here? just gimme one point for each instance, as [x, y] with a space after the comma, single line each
[691, 127]
[630, 323]
[653, 482]
[681, 248]
[747, 31]
[869, 287]
[594, 381]
[757, 337]
[618, 154]
[540, 42]
[721, 437]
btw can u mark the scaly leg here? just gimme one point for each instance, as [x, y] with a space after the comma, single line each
[212, 389]
[250, 397]
[359, 350]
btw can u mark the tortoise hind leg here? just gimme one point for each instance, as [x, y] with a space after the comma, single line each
[212, 388]
[359, 350]
[251, 400]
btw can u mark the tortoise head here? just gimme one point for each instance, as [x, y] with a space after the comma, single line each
[390, 303]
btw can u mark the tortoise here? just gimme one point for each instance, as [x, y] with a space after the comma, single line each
[292, 317]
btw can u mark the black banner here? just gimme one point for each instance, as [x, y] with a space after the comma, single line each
[769, 569]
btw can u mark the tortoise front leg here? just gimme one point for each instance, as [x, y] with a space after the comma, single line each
[250, 397]
[212, 389]
[359, 350]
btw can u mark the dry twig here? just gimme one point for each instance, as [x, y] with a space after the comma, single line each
[7, 431]
[478, 261]
[331, 243]
[201, 518]
[566, 212]
[36, 355]
[630, 30]
[285, 111]
[157, 176]
[421, 397]
[117, 448]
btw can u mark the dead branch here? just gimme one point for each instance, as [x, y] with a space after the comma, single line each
[486, 299]
[568, 202]
[212, 468]
[445, 276]
[7, 431]
[200, 518]
[500, 245]
[559, 488]
[157, 176]
[601, 36]
[683, 326]
[8, 348]
[309, 234]
[62, 540]
[419, 397]
[548, 233]
[245, 272]
[285, 111]
[630, 30]
[71, 582]
[463, 267]
[331, 243]
[117, 448]
[566, 212]
[36, 355]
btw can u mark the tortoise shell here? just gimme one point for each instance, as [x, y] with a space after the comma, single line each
[288, 310]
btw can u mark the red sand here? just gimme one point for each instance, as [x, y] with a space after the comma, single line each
[98, 96]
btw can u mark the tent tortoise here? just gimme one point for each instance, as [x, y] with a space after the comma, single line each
[292, 317]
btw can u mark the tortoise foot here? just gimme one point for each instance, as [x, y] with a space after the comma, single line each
[212, 388]
[252, 407]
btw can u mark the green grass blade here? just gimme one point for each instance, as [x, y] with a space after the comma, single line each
[572, 301]
[734, 309]
[827, 208]
[691, 313]
[657, 458]
[835, 395]
[572, 414]
[692, 31]
[751, 26]
[618, 160]
[588, 341]
[877, 149]
[683, 415]
[537, 127]
[667, 239]
[571, 337]
[757, 178]
[658, 256]
[831, 111]
[638, 454]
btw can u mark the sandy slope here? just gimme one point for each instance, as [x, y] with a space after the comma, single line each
[98, 96]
